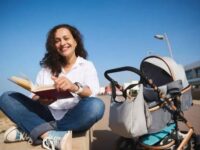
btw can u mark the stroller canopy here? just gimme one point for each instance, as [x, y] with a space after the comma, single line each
[163, 70]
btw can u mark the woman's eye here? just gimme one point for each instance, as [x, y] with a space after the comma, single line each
[56, 41]
[66, 39]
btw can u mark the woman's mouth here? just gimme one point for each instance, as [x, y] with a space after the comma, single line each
[65, 48]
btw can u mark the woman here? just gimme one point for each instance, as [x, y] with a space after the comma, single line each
[51, 121]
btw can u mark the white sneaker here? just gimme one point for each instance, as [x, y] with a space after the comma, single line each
[61, 140]
[14, 134]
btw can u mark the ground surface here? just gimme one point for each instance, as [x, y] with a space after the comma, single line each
[104, 139]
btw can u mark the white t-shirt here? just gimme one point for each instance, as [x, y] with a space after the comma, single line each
[83, 71]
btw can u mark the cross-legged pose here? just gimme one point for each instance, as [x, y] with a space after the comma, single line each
[50, 122]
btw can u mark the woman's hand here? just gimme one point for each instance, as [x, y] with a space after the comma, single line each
[64, 84]
[43, 101]
[35, 97]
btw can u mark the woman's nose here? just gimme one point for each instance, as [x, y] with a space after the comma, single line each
[62, 42]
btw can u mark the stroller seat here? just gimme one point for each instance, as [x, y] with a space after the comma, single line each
[153, 138]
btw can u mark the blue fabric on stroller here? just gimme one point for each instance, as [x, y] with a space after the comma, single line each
[153, 138]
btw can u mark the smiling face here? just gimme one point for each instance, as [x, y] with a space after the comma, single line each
[65, 43]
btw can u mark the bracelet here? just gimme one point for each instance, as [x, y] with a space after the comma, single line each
[80, 88]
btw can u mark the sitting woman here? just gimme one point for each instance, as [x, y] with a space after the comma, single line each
[50, 122]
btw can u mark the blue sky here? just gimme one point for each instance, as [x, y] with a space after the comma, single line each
[116, 32]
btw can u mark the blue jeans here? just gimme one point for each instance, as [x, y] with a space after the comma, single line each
[35, 119]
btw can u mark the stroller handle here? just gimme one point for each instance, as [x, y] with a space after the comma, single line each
[126, 68]
[143, 80]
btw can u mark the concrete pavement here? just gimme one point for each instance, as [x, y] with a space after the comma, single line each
[103, 137]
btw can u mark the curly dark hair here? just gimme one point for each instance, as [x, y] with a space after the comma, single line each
[52, 59]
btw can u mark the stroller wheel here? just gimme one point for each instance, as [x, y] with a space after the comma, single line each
[125, 144]
[190, 144]
[196, 143]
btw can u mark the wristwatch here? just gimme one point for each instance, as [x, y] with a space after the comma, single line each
[80, 88]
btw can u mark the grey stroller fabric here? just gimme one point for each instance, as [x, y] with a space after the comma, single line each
[169, 77]
[160, 117]
[130, 118]
[163, 70]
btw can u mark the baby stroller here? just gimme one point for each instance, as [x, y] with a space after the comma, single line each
[151, 116]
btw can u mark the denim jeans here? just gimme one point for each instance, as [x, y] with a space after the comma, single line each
[35, 119]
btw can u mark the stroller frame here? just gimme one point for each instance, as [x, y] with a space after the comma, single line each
[172, 101]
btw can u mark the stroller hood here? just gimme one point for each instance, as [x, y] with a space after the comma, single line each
[164, 71]
[168, 65]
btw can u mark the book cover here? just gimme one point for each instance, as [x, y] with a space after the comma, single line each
[46, 91]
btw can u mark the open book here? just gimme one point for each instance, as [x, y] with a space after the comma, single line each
[46, 91]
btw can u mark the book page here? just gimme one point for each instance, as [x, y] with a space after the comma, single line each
[37, 88]
[25, 83]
